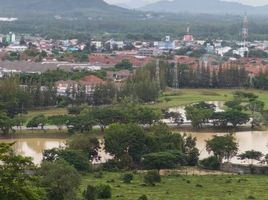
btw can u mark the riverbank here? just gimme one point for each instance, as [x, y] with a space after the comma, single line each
[211, 129]
[63, 134]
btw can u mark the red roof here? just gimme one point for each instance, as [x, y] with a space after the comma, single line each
[114, 59]
[93, 80]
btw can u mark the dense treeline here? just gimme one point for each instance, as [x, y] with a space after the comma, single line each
[142, 28]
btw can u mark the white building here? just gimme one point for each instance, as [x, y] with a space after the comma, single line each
[223, 50]
[16, 48]
[97, 44]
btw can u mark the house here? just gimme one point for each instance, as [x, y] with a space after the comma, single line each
[65, 87]
[90, 82]
[16, 48]
[118, 76]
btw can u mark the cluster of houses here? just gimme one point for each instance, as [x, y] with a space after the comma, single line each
[89, 83]
[68, 87]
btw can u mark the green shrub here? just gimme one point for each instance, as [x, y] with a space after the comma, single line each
[159, 160]
[111, 165]
[98, 174]
[104, 192]
[127, 178]
[143, 197]
[211, 162]
[151, 178]
[90, 193]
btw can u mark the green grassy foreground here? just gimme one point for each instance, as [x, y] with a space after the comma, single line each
[187, 96]
[178, 187]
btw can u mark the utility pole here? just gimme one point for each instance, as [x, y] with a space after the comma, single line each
[245, 32]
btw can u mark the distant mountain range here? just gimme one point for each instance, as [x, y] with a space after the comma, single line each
[58, 7]
[204, 6]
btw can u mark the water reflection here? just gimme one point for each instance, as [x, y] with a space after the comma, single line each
[256, 140]
[34, 147]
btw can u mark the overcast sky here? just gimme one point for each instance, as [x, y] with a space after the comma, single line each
[250, 2]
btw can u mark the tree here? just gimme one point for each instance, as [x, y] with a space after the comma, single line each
[15, 100]
[82, 122]
[76, 158]
[159, 160]
[124, 64]
[235, 117]
[190, 150]
[235, 105]
[251, 155]
[161, 138]
[60, 179]
[211, 163]
[104, 191]
[104, 94]
[143, 115]
[141, 86]
[58, 120]
[35, 122]
[127, 178]
[255, 107]
[6, 123]
[198, 114]
[121, 139]
[14, 182]
[86, 143]
[108, 115]
[90, 193]
[151, 178]
[223, 147]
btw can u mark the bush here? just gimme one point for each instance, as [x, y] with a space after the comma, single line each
[211, 162]
[143, 197]
[152, 177]
[98, 174]
[159, 160]
[127, 178]
[104, 192]
[111, 165]
[90, 193]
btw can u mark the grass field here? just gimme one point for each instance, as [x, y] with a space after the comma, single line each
[187, 96]
[176, 187]
[173, 98]
[46, 112]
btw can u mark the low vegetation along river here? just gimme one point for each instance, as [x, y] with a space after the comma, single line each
[33, 147]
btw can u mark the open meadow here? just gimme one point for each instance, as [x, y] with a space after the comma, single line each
[182, 187]
[182, 97]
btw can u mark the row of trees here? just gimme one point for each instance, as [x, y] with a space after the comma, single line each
[224, 148]
[83, 118]
[238, 112]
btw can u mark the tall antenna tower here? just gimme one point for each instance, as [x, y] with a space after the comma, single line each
[245, 31]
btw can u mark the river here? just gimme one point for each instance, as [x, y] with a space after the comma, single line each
[33, 147]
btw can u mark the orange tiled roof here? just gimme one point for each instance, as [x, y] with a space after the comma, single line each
[91, 79]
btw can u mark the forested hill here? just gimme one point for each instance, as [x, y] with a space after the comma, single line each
[204, 6]
[22, 8]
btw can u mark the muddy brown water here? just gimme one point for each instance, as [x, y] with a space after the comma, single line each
[247, 140]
